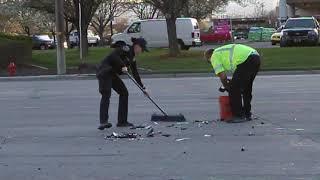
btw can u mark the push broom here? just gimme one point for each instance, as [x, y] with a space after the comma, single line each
[160, 117]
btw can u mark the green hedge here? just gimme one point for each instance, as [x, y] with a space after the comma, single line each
[18, 47]
[14, 37]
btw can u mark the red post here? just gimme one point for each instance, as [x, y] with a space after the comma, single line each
[225, 108]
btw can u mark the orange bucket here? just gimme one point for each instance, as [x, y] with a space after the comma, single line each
[225, 108]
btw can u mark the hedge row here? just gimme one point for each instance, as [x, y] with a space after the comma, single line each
[17, 48]
[14, 37]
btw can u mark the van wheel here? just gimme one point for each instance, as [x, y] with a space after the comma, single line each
[43, 47]
[186, 48]
[181, 45]
[283, 44]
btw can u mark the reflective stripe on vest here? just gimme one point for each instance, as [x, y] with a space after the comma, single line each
[231, 50]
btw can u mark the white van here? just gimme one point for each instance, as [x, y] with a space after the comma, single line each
[155, 33]
[93, 40]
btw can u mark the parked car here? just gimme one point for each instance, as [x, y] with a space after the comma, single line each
[215, 35]
[156, 34]
[93, 40]
[241, 34]
[275, 38]
[302, 30]
[42, 42]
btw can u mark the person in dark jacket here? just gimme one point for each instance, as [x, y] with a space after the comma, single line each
[108, 72]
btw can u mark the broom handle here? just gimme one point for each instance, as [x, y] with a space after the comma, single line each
[164, 113]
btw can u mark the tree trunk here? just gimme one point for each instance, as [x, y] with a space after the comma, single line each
[66, 33]
[102, 41]
[100, 33]
[84, 42]
[27, 30]
[172, 37]
[111, 27]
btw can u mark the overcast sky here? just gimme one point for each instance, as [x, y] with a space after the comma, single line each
[233, 8]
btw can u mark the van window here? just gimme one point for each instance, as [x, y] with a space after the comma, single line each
[74, 33]
[135, 28]
[90, 33]
[196, 26]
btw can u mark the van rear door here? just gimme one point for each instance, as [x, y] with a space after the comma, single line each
[196, 31]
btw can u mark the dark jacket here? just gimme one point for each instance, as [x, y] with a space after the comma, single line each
[113, 63]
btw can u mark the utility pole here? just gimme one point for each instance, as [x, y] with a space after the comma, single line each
[60, 29]
[80, 32]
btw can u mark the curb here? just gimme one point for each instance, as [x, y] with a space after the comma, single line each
[169, 75]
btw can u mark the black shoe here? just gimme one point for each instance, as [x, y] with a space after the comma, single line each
[105, 126]
[125, 124]
[237, 120]
[249, 118]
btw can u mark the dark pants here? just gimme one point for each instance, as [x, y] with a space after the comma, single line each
[241, 86]
[116, 84]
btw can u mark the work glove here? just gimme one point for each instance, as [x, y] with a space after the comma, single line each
[223, 89]
[145, 92]
[124, 70]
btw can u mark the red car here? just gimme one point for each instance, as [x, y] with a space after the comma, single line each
[217, 35]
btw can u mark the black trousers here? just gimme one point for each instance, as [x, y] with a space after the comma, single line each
[105, 85]
[241, 86]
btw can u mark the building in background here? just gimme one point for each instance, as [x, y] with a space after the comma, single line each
[294, 8]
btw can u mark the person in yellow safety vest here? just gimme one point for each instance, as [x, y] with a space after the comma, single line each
[244, 62]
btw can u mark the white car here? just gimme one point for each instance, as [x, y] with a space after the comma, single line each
[93, 40]
[154, 31]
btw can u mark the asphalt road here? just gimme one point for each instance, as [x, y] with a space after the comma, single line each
[48, 131]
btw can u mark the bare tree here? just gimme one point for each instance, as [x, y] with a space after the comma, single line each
[106, 12]
[259, 8]
[48, 6]
[42, 5]
[144, 10]
[88, 8]
[6, 16]
[200, 9]
[171, 9]
[30, 20]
